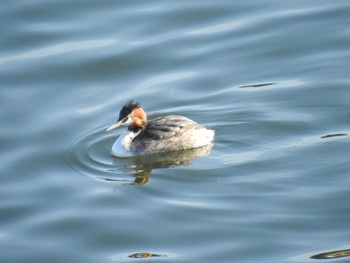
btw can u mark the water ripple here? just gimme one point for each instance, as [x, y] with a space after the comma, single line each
[217, 28]
[90, 155]
[60, 49]
[163, 79]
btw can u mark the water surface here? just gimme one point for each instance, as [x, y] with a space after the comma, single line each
[271, 78]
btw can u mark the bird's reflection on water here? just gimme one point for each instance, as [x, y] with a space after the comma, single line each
[141, 167]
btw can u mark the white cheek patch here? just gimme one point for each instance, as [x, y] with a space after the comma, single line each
[128, 122]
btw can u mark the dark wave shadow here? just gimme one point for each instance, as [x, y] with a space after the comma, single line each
[332, 254]
[333, 135]
[257, 85]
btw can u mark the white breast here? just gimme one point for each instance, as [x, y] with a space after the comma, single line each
[121, 147]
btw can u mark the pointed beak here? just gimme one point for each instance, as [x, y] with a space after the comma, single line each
[116, 125]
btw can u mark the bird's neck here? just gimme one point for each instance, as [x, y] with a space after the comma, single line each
[136, 129]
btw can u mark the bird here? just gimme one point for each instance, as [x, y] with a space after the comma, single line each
[162, 134]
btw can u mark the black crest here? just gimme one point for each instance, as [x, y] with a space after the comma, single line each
[128, 108]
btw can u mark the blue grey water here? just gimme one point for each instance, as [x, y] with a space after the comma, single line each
[270, 77]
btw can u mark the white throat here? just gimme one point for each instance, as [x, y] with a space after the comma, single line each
[123, 145]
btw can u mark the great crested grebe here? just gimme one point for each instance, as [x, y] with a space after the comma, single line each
[163, 134]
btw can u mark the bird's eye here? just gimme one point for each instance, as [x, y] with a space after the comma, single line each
[125, 119]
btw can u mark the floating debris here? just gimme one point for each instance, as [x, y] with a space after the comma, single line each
[144, 255]
[257, 85]
[333, 254]
[333, 135]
